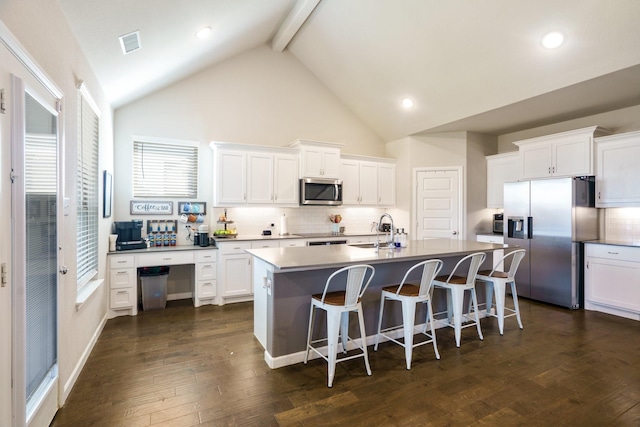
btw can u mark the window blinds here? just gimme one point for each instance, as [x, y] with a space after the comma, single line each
[162, 170]
[87, 197]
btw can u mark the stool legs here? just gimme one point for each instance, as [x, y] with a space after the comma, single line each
[516, 306]
[363, 339]
[408, 321]
[333, 329]
[455, 303]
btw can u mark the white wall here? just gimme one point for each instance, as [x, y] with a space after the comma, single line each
[41, 29]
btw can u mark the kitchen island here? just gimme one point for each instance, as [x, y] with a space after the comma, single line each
[285, 278]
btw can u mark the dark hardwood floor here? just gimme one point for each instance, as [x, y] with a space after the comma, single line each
[186, 366]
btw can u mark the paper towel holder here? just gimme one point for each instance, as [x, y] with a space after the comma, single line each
[283, 225]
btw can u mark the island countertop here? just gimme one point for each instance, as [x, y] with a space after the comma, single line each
[317, 257]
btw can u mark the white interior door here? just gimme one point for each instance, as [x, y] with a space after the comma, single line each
[438, 202]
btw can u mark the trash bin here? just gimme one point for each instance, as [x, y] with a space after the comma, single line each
[153, 281]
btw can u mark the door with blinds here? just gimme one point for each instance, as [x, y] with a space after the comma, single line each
[35, 157]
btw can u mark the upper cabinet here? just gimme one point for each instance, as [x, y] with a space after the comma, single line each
[618, 173]
[501, 168]
[558, 155]
[318, 159]
[368, 181]
[255, 175]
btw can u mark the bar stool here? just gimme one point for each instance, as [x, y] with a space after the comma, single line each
[456, 286]
[409, 296]
[338, 305]
[496, 282]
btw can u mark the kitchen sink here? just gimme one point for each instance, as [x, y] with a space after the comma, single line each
[364, 245]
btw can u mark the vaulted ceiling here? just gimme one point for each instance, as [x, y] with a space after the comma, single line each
[466, 64]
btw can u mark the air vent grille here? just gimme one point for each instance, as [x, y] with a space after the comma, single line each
[130, 42]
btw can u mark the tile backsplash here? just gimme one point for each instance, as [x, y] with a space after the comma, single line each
[306, 219]
[622, 224]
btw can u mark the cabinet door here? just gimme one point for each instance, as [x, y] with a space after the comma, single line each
[535, 160]
[312, 162]
[386, 185]
[236, 275]
[260, 178]
[618, 173]
[500, 169]
[122, 278]
[613, 283]
[350, 176]
[231, 178]
[330, 163]
[122, 298]
[572, 157]
[285, 180]
[368, 183]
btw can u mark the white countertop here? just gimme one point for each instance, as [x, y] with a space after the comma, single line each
[315, 257]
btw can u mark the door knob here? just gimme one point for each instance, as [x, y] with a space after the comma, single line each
[64, 269]
[455, 232]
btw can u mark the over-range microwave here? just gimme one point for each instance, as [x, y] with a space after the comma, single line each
[320, 191]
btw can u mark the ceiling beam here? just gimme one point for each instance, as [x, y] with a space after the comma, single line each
[292, 23]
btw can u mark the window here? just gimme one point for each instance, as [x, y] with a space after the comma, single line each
[87, 188]
[165, 169]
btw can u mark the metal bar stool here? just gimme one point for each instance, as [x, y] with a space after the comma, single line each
[338, 305]
[409, 295]
[496, 282]
[456, 286]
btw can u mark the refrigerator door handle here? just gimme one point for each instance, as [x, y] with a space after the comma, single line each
[530, 227]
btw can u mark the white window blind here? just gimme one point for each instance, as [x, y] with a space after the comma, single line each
[165, 170]
[87, 187]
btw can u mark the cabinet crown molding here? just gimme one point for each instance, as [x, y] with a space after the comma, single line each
[368, 158]
[595, 131]
[301, 142]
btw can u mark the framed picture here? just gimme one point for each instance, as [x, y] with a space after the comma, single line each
[141, 207]
[192, 208]
[107, 195]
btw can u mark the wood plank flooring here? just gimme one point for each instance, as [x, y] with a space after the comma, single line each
[186, 366]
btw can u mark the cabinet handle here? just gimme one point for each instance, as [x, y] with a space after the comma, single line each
[122, 272]
[553, 169]
[587, 265]
[549, 170]
[613, 253]
[598, 195]
[167, 259]
[122, 292]
[122, 262]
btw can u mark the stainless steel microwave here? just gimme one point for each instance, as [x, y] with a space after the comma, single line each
[320, 191]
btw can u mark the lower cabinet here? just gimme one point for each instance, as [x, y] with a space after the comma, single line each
[205, 287]
[234, 272]
[612, 279]
[123, 284]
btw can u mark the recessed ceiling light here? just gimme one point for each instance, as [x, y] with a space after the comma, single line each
[203, 33]
[407, 103]
[552, 40]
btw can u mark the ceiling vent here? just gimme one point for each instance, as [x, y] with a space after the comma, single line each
[130, 42]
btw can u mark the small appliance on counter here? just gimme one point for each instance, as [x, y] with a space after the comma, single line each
[129, 235]
[498, 223]
[203, 236]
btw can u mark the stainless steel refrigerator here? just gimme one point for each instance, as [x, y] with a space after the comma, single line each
[550, 218]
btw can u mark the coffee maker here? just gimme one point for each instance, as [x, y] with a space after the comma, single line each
[129, 235]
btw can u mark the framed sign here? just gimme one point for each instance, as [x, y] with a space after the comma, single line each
[106, 201]
[151, 208]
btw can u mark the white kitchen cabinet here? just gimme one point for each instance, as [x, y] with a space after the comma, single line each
[617, 170]
[557, 155]
[205, 286]
[254, 175]
[318, 159]
[501, 168]
[612, 279]
[367, 182]
[123, 285]
[230, 177]
[234, 271]
[496, 239]
[292, 243]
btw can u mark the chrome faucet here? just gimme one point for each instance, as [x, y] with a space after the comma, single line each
[390, 243]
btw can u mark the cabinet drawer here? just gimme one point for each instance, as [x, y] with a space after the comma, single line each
[122, 278]
[497, 239]
[206, 271]
[292, 243]
[233, 247]
[206, 256]
[121, 261]
[122, 298]
[621, 253]
[165, 258]
[206, 289]
[265, 244]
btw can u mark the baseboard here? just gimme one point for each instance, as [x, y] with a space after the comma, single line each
[183, 295]
[83, 360]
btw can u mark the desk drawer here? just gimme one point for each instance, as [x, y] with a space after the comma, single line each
[122, 298]
[122, 278]
[166, 258]
[206, 271]
[121, 261]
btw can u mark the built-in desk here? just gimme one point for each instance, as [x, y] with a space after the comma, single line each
[123, 274]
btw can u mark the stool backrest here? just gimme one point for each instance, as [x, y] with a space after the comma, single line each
[515, 262]
[430, 269]
[355, 282]
[475, 260]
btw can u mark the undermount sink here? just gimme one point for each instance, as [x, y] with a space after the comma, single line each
[364, 245]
